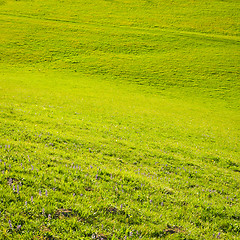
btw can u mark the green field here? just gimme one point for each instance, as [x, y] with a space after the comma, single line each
[120, 119]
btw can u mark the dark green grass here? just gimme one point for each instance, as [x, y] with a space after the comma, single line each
[119, 119]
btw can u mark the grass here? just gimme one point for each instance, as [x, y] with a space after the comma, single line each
[119, 119]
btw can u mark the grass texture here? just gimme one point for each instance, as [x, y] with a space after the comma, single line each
[119, 119]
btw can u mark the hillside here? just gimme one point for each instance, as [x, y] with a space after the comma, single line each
[119, 119]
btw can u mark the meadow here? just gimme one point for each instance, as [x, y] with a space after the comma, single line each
[119, 119]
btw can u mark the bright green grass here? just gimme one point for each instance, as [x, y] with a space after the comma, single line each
[126, 112]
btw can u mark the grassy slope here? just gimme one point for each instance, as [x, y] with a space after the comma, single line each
[145, 92]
